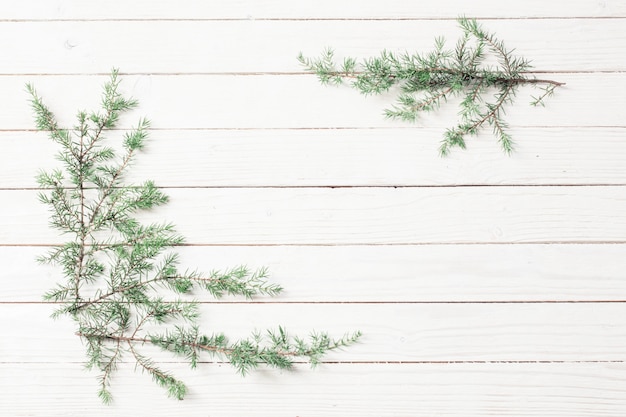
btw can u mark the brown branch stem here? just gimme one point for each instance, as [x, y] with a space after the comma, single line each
[463, 75]
[107, 191]
[433, 99]
[137, 285]
[208, 348]
[494, 111]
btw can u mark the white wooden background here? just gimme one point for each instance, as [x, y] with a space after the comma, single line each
[484, 284]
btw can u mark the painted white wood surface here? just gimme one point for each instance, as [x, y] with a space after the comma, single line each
[396, 332]
[484, 284]
[268, 46]
[390, 273]
[463, 389]
[299, 102]
[349, 157]
[389, 215]
[323, 9]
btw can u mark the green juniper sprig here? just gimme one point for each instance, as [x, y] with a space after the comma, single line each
[427, 80]
[114, 266]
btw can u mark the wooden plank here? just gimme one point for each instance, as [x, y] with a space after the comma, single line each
[362, 215]
[283, 9]
[296, 101]
[352, 157]
[272, 46]
[391, 331]
[464, 390]
[422, 273]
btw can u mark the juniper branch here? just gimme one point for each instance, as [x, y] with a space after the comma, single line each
[425, 80]
[276, 348]
[114, 266]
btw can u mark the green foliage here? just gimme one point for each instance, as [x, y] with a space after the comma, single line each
[114, 266]
[425, 81]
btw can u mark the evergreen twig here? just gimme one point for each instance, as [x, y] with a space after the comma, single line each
[114, 266]
[427, 80]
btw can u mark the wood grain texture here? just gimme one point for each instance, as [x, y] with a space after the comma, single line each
[326, 216]
[407, 273]
[270, 46]
[297, 102]
[474, 390]
[441, 332]
[350, 157]
[324, 9]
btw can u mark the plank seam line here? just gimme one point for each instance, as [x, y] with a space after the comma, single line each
[379, 362]
[317, 128]
[308, 19]
[364, 302]
[450, 362]
[255, 73]
[359, 186]
[349, 244]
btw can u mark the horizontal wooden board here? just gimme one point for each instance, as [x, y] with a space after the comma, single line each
[421, 273]
[464, 390]
[271, 46]
[349, 157]
[391, 331]
[361, 215]
[296, 101]
[284, 9]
